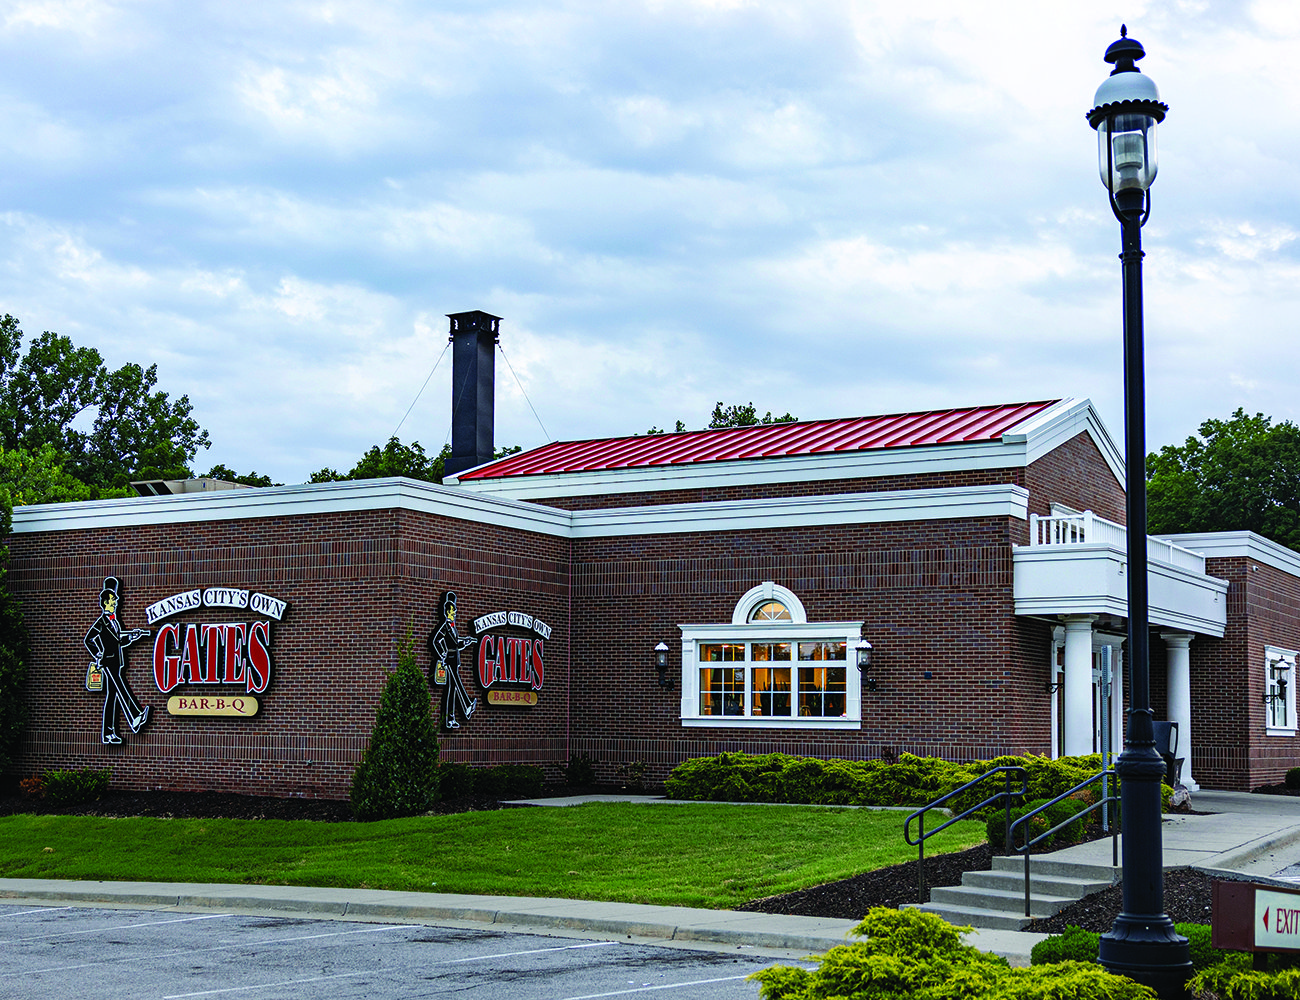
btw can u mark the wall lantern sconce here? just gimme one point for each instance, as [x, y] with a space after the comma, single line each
[661, 665]
[1053, 686]
[864, 661]
[1277, 674]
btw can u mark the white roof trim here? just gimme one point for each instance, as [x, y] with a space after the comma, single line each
[794, 512]
[409, 494]
[1240, 544]
[1022, 444]
[292, 501]
[1056, 425]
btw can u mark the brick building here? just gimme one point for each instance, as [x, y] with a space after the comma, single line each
[979, 551]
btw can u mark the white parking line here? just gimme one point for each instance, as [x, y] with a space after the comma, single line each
[207, 949]
[349, 975]
[43, 909]
[115, 927]
[664, 986]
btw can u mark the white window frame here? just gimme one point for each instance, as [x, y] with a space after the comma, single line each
[1273, 657]
[741, 629]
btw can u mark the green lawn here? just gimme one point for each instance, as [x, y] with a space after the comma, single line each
[687, 855]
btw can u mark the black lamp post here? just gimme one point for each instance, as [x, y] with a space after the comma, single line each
[1142, 944]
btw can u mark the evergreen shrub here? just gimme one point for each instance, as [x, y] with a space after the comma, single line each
[398, 773]
[1078, 945]
[1235, 979]
[995, 826]
[1292, 779]
[72, 788]
[919, 956]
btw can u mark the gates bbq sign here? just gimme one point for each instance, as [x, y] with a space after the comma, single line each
[217, 667]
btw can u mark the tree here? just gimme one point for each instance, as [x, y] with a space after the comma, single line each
[398, 773]
[744, 415]
[27, 478]
[13, 655]
[1238, 474]
[735, 415]
[137, 431]
[394, 459]
[228, 474]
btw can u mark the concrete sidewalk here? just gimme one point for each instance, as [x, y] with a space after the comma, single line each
[1249, 835]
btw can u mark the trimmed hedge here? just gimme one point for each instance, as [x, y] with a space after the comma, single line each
[995, 827]
[911, 781]
[1078, 945]
[920, 956]
[1234, 979]
[506, 781]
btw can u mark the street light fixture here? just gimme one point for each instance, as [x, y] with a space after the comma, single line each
[1142, 944]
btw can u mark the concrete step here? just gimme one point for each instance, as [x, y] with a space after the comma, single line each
[1048, 885]
[1046, 865]
[974, 916]
[1000, 900]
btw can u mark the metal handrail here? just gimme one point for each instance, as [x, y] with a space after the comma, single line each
[1003, 796]
[1105, 800]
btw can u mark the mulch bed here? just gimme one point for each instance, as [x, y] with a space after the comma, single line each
[1187, 893]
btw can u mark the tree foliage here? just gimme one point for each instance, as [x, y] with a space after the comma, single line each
[393, 459]
[1237, 474]
[13, 654]
[398, 773]
[734, 415]
[53, 392]
[224, 472]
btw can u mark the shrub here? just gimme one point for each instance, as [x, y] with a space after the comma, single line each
[32, 788]
[398, 773]
[917, 955]
[520, 781]
[1075, 945]
[1204, 954]
[1292, 779]
[580, 771]
[455, 781]
[1234, 979]
[995, 827]
[71, 788]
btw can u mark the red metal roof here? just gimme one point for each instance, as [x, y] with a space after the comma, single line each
[809, 437]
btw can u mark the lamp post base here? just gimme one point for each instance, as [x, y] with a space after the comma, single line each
[1148, 950]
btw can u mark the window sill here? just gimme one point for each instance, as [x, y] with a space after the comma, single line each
[1279, 732]
[766, 722]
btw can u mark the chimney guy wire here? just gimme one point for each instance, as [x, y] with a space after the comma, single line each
[525, 392]
[422, 388]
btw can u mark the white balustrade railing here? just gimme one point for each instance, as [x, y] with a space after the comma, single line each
[1088, 528]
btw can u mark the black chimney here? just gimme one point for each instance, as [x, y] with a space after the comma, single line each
[473, 365]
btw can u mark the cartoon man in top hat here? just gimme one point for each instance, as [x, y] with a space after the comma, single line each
[445, 645]
[107, 644]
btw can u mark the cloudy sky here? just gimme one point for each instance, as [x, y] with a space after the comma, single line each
[829, 208]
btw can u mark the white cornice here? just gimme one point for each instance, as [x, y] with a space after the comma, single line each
[794, 512]
[407, 494]
[293, 501]
[1059, 423]
[1240, 544]
[1024, 443]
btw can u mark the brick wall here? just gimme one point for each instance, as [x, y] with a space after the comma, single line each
[1075, 474]
[355, 583]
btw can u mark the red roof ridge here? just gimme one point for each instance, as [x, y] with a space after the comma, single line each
[953, 425]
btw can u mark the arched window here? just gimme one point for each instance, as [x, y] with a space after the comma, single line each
[770, 611]
[771, 667]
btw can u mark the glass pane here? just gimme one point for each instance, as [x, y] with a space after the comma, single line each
[722, 652]
[771, 691]
[722, 691]
[767, 651]
[770, 611]
[822, 691]
[823, 651]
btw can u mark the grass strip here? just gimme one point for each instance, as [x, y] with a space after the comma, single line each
[685, 855]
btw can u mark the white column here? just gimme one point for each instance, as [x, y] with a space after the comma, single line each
[1078, 684]
[1179, 708]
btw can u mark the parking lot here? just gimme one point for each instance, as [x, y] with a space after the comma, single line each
[58, 952]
